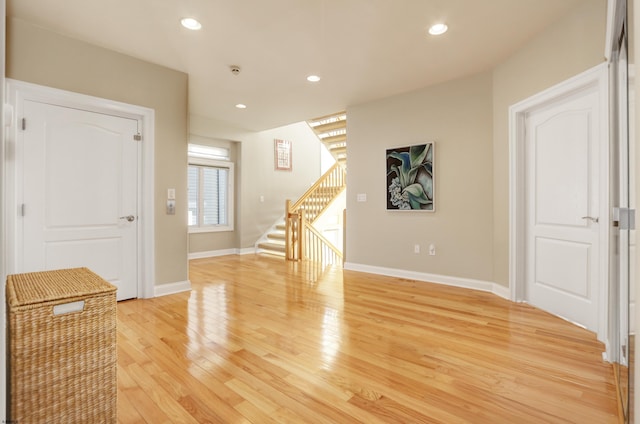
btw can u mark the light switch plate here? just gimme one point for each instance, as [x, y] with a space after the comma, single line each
[171, 194]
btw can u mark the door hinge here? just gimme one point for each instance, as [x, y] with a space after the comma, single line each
[624, 218]
[22, 209]
[24, 124]
[137, 137]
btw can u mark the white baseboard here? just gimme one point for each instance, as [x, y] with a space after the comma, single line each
[467, 283]
[247, 251]
[501, 291]
[212, 253]
[223, 252]
[632, 318]
[172, 288]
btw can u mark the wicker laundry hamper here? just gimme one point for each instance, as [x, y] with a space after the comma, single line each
[61, 347]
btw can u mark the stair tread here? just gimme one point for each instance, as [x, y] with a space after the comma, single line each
[335, 139]
[278, 247]
[276, 236]
[330, 126]
[326, 117]
[272, 253]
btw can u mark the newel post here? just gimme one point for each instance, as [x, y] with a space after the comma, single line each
[288, 236]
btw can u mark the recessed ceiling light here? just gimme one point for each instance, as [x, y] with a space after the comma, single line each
[313, 78]
[241, 106]
[191, 23]
[438, 29]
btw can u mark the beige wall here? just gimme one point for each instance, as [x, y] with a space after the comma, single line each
[256, 175]
[42, 57]
[567, 48]
[458, 117]
[468, 119]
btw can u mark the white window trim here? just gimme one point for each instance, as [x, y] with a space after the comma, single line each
[230, 200]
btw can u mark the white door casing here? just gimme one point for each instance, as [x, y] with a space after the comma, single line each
[24, 96]
[559, 162]
[632, 201]
[78, 182]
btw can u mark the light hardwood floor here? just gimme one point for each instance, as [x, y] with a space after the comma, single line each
[257, 340]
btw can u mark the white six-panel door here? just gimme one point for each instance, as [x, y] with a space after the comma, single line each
[562, 197]
[78, 184]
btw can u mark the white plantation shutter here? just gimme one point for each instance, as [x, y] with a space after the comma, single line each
[208, 195]
[192, 178]
[210, 183]
[223, 207]
[214, 196]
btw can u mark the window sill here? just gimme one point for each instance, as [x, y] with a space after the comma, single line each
[216, 229]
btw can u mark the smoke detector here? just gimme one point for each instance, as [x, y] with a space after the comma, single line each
[235, 69]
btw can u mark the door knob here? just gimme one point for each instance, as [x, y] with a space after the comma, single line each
[129, 218]
[590, 218]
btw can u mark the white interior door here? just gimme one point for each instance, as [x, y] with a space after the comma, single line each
[562, 196]
[79, 180]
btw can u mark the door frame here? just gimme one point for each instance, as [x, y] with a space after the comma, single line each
[597, 77]
[17, 92]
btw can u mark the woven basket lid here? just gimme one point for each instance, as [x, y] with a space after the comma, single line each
[38, 287]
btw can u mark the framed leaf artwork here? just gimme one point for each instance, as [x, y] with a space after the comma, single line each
[410, 178]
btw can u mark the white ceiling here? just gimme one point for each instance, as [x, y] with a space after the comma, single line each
[362, 49]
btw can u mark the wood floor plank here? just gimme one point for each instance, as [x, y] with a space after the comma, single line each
[169, 405]
[127, 414]
[261, 340]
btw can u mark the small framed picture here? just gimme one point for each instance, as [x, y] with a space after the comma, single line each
[282, 155]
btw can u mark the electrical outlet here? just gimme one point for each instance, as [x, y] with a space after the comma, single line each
[416, 248]
[432, 249]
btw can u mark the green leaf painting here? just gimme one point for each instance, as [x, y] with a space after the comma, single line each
[410, 178]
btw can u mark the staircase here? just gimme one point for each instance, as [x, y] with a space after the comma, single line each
[294, 237]
[302, 238]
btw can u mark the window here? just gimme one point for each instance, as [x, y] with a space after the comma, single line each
[210, 189]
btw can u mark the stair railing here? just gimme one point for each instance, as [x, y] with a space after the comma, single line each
[300, 216]
[318, 249]
[321, 194]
